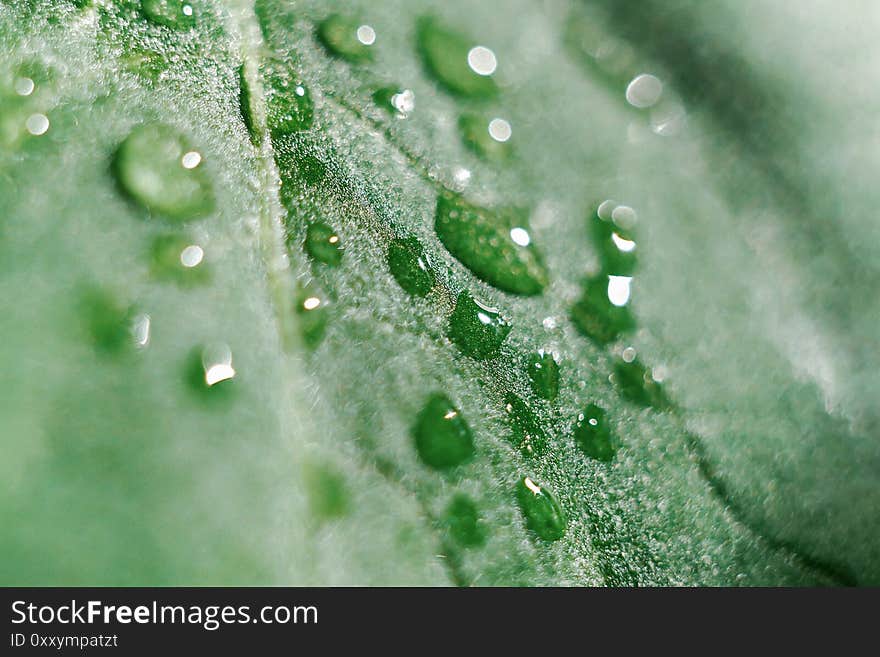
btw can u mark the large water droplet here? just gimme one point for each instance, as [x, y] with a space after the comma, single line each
[494, 244]
[541, 511]
[289, 105]
[613, 231]
[176, 14]
[528, 435]
[328, 494]
[488, 138]
[347, 38]
[456, 62]
[593, 435]
[599, 317]
[150, 168]
[543, 371]
[323, 244]
[462, 518]
[478, 330]
[409, 266]
[638, 384]
[443, 438]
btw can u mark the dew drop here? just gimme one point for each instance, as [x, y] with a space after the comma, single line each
[409, 266]
[483, 241]
[289, 106]
[543, 371]
[541, 511]
[217, 364]
[24, 86]
[311, 309]
[528, 435]
[323, 244]
[177, 258]
[644, 90]
[176, 14]
[612, 227]
[443, 438]
[478, 330]
[140, 330]
[328, 493]
[637, 384]
[452, 58]
[37, 124]
[481, 135]
[596, 316]
[593, 435]
[462, 519]
[149, 168]
[347, 38]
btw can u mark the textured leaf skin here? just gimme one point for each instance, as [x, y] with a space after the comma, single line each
[754, 462]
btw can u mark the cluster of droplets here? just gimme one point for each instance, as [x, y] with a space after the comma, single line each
[25, 94]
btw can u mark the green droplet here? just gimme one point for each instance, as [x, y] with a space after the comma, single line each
[462, 519]
[289, 106]
[528, 435]
[596, 317]
[543, 371]
[177, 14]
[484, 136]
[179, 259]
[478, 330]
[612, 228]
[542, 512]
[593, 435]
[445, 54]
[311, 308]
[494, 244]
[107, 320]
[409, 266]
[443, 438]
[323, 244]
[347, 38]
[157, 168]
[637, 384]
[328, 494]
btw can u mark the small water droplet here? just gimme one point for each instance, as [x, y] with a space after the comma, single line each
[593, 435]
[149, 169]
[37, 124]
[311, 309]
[462, 519]
[346, 37]
[543, 371]
[454, 60]
[409, 266]
[323, 244]
[596, 316]
[176, 14]
[482, 240]
[478, 330]
[541, 511]
[289, 106]
[644, 90]
[140, 330]
[636, 383]
[481, 135]
[612, 227]
[24, 86]
[528, 435]
[443, 438]
[191, 159]
[217, 364]
[177, 258]
[328, 493]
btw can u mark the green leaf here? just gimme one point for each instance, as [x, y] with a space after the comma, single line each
[253, 257]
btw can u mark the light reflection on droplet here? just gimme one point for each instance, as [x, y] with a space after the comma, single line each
[192, 256]
[482, 60]
[311, 303]
[549, 323]
[644, 90]
[366, 35]
[187, 10]
[191, 160]
[484, 318]
[24, 86]
[37, 124]
[140, 330]
[667, 119]
[217, 361]
[404, 102]
[461, 175]
[628, 355]
[520, 236]
[532, 486]
[300, 90]
[619, 289]
[622, 244]
[500, 130]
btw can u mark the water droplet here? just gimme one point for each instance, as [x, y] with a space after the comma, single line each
[455, 62]
[178, 258]
[176, 14]
[528, 435]
[596, 316]
[311, 308]
[409, 266]
[289, 105]
[612, 227]
[482, 240]
[396, 99]
[217, 364]
[644, 90]
[347, 38]
[443, 438]
[108, 320]
[481, 135]
[478, 330]
[140, 330]
[323, 244]
[37, 124]
[637, 384]
[328, 494]
[541, 511]
[149, 168]
[462, 518]
[24, 86]
[543, 371]
[593, 435]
